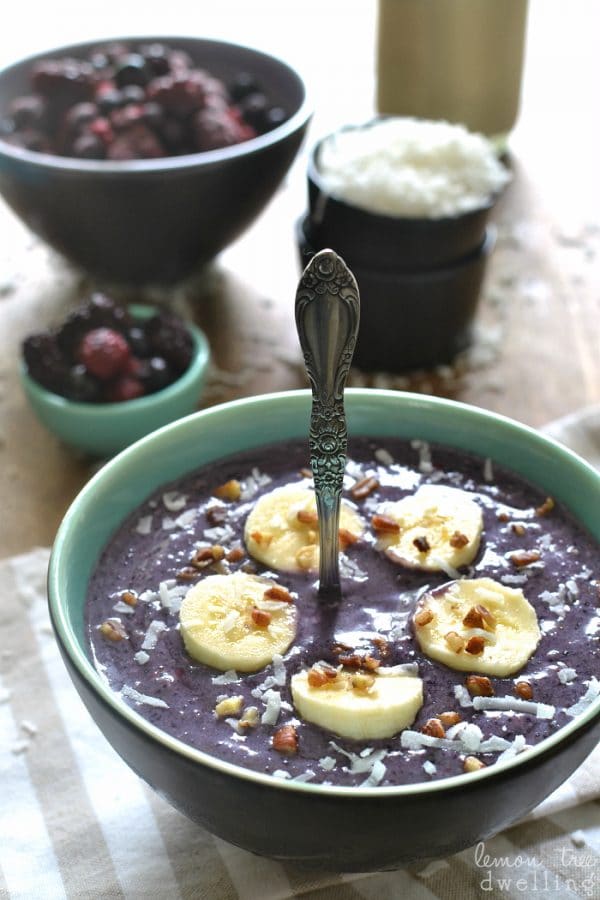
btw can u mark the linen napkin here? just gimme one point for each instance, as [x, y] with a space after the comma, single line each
[75, 822]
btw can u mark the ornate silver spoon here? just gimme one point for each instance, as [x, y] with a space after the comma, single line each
[327, 315]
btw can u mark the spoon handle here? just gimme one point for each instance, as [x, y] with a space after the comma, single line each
[327, 316]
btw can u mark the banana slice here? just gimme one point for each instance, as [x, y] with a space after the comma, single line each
[357, 705]
[237, 621]
[437, 528]
[282, 529]
[477, 625]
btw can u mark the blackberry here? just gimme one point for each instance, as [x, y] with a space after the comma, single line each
[169, 338]
[81, 386]
[132, 70]
[44, 361]
[136, 337]
[156, 374]
[28, 112]
[242, 85]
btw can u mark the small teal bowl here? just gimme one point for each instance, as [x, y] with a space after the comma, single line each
[322, 826]
[103, 429]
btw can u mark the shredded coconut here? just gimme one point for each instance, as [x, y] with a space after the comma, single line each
[376, 775]
[409, 669]
[230, 620]
[327, 763]
[517, 746]
[122, 607]
[228, 677]
[132, 694]
[281, 773]
[488, 470]
[141, 657]
[424, 451]
[144, 525]
[411, 167]
[462, 695]
[30, 728]
[304, 776]
[565, 676]
[273, 707]
[358, 763]
[174, 501]
[593, 690]
[516, 704]
[384, 457]
[429, 767]
[155, 628]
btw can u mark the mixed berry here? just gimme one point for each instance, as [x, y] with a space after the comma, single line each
[101, 354]
[146, 102]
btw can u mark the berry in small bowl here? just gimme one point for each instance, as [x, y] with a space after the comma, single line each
[109, 375]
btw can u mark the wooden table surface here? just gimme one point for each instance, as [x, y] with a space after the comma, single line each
[536, 352]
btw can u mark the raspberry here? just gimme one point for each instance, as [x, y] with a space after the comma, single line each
[124, 388]
[104, 352]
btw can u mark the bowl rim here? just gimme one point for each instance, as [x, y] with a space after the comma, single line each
[94, 682]
[385, 220]
[100, 411]
[164, 164]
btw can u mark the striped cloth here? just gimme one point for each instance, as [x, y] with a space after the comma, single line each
[76, 822]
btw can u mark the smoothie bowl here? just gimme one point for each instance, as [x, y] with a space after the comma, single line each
[450, 689]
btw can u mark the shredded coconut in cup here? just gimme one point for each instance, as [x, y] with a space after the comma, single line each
[411, 167]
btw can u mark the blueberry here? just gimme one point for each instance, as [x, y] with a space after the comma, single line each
[157, 58]
[99, 61]
[254, 109]
[109, 100]
[242, 85]
[132, 70]
[80, 115]
[133, 93]
[88, 146]
[276, 116]
[27, 112]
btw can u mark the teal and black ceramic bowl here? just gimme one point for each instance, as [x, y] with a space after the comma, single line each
[359, 828]
[103, 429]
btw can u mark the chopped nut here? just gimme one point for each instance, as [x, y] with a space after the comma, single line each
[305, 472]
[339, 647]
[364, 487]
[216, 515]
[475, 645]
[422, 544]
[188, 573]
[362, 681]
[382, 645]
[285, 740]
[321, 674]
[524, 557]
[113, 630]
[129, 597]
[472, 764]
[261, 538]
[455, 641]
[249, 718]
[249, 568]
[346, 538]
[503, 516]
[278, 592]
[479, 686]
[384, 524]
[260, 617]
[359, 661]
[206, 556]
[449, 718]
[434, 728]
[524, 690]
[458, 539]
[231, 490]
[518, 528]
[307, 516]
[546, 507]
[305, 557]
[230, 706]
[235, 554]
[423, 616]
[479, 617]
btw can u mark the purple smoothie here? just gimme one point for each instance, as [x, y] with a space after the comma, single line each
[146, 556]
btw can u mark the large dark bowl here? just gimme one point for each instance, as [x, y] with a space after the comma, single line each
[154, 221]
[343, 828]
[412, 320]
[377, 241]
